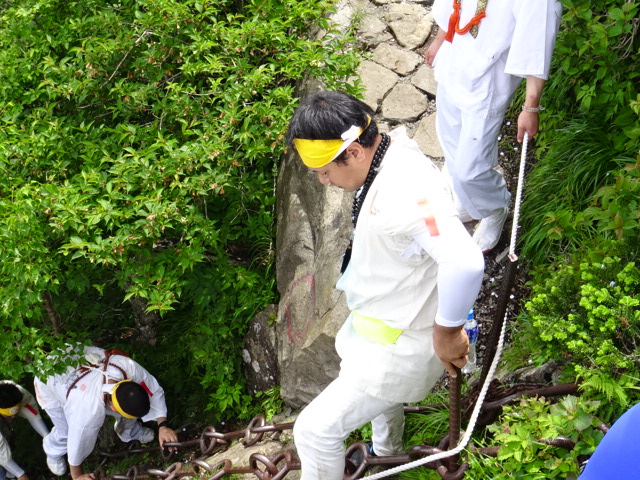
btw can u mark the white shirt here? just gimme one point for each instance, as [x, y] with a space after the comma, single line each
[406, 275]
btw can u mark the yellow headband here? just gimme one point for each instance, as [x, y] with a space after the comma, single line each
[317, 153]
[11, 411]
[114, 400]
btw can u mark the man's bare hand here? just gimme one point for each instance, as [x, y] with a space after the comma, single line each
[166, 434]
[430, 53]
[86, 476]
[452, 347]
[76, 473]
[527, 122]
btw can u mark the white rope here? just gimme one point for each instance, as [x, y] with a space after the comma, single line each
[496, 358]
[516, 208]
[467, 434]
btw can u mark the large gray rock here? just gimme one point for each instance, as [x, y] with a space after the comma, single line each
[346, 10]
[425, 80]
[426, 137]
[260, 353]
[314, 226]
[400, 60]
[372, 30]
[377, 81]
[411, 24]
[404, 104]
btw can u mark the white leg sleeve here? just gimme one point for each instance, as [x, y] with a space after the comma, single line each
[387, 430]
[38, 425]
[128, 429]
[55, 443]
[470, 145]
[322, 427]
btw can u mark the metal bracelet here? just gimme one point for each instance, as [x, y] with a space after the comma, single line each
[532, 109]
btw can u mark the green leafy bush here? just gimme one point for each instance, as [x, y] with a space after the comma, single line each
[596, 66]
[588, 316]
[138, 154]
[615, 211]
[521, 433]
[577, 162]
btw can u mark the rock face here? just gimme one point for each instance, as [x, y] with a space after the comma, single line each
[260, 358]
[314, 221]
[313, 231]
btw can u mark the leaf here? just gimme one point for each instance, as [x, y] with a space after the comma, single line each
[77, 242]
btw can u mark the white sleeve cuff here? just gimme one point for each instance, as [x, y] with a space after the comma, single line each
[449, 323]
[13, 468]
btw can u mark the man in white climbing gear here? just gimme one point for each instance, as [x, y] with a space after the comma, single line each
[16, 402]
[412, 276]
[107, 382]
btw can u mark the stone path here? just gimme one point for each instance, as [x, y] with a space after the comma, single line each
[393, 36]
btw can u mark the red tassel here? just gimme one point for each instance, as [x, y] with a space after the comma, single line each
[474, 21]
[453, 21]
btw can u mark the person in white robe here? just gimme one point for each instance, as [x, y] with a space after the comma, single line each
[482, 52]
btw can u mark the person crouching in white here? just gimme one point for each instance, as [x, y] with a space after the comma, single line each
[107, 382]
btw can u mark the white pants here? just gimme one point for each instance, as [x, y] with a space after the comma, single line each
[55, 444]
[470, 146]
[322, 427]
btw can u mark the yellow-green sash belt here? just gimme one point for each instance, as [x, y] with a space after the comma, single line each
[375, 329]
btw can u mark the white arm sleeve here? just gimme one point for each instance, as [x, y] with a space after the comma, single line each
[13, 468]
[460, 270]
[32, 414]
[6, 460]
[38, 425]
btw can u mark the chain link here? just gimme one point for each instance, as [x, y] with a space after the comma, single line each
[211, 442]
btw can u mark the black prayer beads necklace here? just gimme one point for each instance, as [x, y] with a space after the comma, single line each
[361, 193]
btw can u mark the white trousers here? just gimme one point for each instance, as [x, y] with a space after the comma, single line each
[470, 146]
[323, 426]
[55, 444]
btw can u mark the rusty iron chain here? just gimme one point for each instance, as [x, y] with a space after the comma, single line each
[210, 442]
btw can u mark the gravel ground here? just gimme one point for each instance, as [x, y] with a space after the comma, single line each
[493, 285]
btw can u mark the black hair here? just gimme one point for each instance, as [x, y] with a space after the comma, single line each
[133, 399]
[10, 395]
[327, 115]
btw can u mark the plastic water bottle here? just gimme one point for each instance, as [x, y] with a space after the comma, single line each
[471, 328]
